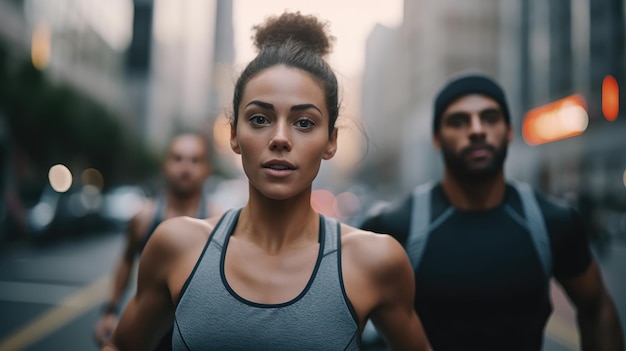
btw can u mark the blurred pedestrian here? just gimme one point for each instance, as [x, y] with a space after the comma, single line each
[274, 275]
[484, 249]
[185, 168]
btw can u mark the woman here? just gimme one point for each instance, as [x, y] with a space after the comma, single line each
[274, 275]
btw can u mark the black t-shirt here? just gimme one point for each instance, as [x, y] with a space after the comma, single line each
[480, 284]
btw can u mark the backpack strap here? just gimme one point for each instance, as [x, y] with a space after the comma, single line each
[202, 209]
[421, 226]
[157, 218]
[536, 225]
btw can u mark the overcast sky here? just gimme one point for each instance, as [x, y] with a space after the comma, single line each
[350, 21]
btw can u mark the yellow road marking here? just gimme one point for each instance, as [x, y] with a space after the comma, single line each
[563, 331]
[67, 310]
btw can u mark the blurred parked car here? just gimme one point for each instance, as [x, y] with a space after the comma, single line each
[82, 211]
[121, 203]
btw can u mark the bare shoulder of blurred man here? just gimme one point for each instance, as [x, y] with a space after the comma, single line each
[185, 170]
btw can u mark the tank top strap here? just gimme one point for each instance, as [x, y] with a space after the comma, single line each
[224, 226]
[329, 234]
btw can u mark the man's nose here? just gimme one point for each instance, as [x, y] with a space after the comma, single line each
[476, 125]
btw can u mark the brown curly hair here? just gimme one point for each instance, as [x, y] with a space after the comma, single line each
[308, 30]
[298, 41]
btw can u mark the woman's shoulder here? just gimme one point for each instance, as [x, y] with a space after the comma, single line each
[374, 251]
[176, 235]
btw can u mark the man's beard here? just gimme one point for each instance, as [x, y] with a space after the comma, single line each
[182, 191]
[459, 166]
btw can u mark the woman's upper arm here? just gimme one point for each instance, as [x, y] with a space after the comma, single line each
[392, 281]
[150, 312]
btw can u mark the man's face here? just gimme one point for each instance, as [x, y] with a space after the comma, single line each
[186, 166]
[473, 137]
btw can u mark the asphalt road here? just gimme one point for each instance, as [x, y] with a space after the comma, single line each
[50, 296]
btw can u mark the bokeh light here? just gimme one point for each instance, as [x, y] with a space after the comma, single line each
[347, 205]
[40, 46]
[221, 135]
[324, 202]
[610, 98]
[558, 120]
[60, 178]
[93, 177]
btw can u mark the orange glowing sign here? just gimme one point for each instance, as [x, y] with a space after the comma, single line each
[610, 98]
[561, 119]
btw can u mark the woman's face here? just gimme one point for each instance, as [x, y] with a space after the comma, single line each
[282, 132]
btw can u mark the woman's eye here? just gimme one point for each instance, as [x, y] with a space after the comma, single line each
[258, 120]
[304, 123]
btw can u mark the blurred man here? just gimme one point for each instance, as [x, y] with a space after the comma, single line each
[484, 249]
[186, 168]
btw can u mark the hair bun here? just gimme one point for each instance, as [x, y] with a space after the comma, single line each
[307, 30]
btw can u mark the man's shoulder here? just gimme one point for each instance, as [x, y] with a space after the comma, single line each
[386, 212]
[552, 207]
[395, 217]
[142, 218]
[555, 209]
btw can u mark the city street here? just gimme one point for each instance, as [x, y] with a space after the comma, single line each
[50, 296]
[96, 96]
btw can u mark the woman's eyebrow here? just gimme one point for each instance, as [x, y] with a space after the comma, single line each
[304, 107]
[269, 106]
[262, 104]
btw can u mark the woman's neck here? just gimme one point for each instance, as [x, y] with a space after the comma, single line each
[277, 224]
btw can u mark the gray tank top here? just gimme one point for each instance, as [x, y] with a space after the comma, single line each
[211, 316]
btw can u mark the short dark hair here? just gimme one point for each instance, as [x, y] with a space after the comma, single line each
[191, 133]
[466, 84]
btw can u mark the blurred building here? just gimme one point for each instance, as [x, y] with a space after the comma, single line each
[138, 59]
[190, 55]
[76, 42]
[570, 47]
[162, 65]
[14, 29]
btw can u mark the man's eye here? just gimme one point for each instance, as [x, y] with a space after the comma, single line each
[491, 117]
[456, 121]
[258, 120]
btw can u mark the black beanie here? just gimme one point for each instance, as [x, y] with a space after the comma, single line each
[467, 84]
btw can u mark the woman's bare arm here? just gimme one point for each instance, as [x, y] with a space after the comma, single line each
[380, 284]
[150, 313]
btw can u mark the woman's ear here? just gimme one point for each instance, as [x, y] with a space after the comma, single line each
[234, 143]
[331, 147]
